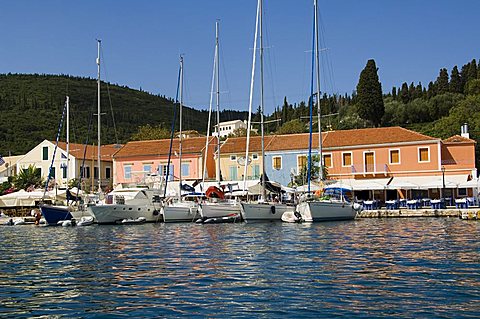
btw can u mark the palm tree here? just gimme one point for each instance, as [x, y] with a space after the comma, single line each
[27, 177]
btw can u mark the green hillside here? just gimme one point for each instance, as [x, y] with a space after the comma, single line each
[31, 108]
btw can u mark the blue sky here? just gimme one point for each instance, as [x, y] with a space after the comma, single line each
[410, 41]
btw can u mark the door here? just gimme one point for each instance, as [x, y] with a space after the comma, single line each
[369, 162]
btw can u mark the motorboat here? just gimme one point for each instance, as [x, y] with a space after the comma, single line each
[128, 203]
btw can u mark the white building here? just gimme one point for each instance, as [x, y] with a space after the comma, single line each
[227, 128]
[8, 167]
[41, 157]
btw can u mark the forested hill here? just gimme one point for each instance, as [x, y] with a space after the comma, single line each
[31, 108]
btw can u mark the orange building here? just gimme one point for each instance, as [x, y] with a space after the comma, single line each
[138, 160]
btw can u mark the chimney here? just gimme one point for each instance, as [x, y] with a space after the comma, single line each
[464, 130]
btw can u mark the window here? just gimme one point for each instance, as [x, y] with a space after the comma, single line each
[346, 159]
[185, 169]
[86, 172]
[127, 171]
[369, 161]
[301, 162]
[233, 173]
[162, 170]
[394, 156]
[45, 153]
[462, 192]
[277, 162]
[256, 171]
[233, 157]
[327, 160]
[64, 171]
[147, 168]
[423, 154]
[254, 156]
[95, 172]
[108, 171]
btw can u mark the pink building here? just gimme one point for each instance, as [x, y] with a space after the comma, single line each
[140, 159]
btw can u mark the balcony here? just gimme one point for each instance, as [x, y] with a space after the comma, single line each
[370, 170]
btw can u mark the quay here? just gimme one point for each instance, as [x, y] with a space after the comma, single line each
[469, 213]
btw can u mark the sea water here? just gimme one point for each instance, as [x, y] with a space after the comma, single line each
[367, 268]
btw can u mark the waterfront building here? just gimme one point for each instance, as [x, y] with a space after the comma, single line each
[227, 128]
[140, 160]
[384, 163]
[8, 166]
[41, 157]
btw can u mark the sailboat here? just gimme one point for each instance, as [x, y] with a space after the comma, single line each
[176, 209]
[260, 210]
[310, 208]
[55, 214]
[218, 208]
[124, 204]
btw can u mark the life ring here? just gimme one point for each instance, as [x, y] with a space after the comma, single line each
[214, 192]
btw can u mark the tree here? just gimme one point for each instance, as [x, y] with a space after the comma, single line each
[455, 81]
[404, 93]
[292, 127]
[442, 81]
[148, 132]
[370, 100]
[241, 132]
[27, 177]
[302, 177]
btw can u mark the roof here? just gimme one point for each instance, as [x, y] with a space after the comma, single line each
[9, 162]
[230, 122]
[457, 139]
[330, 139]
[235, 145]
[77, 150]
[344, 138]
[192, 145]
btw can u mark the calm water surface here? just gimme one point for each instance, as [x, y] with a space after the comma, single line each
[398, 268]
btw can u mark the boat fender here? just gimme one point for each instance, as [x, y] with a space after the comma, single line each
[272, 209]
[297, 215]
[357, 207]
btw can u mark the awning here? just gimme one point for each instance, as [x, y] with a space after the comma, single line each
[362, 184]
[401, 183]
[430, 182]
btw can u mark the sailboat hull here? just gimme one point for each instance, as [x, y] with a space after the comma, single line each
[316, 211]
[179, 212]
[214, 210]
[263, 212]
[54, 214]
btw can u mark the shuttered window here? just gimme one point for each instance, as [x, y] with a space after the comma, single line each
[327, 160]
[301, 161]
[277, 163]
[347, 159]
[423, 155]
[394, 156]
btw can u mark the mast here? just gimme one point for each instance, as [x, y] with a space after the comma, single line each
[180, 127]
[319, 111]
[98, 118]
[262, 107]
[68, 137]
[217, 95]
[251, 98]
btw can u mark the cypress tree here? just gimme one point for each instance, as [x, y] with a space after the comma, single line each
[394, 93]
[404, 95]
[472, 70]
[419, 90]
[442, 81]
[455, 81]
[369, 90]
[431, 92]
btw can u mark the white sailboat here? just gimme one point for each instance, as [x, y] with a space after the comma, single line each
[217, 207]
[312, 209]
[260, 210]
[124, 203]
[176, 209]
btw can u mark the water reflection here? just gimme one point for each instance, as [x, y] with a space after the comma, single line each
[364, 268]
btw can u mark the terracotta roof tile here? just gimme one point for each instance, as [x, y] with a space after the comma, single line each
[330, 139]
[235, 145]
[457, 139]
[77, 150]
[193, 145]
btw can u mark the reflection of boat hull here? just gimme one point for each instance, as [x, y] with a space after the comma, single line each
[179, 212]
[314, 211]
[212, 210]
[115, 213]
[258, 212]
[54, 214]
